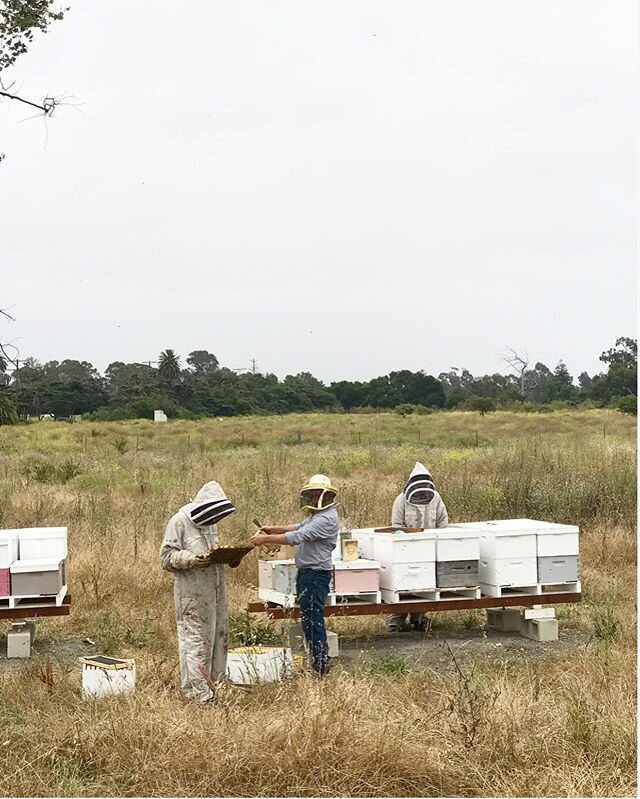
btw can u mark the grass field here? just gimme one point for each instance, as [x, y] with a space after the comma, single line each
[561, 726]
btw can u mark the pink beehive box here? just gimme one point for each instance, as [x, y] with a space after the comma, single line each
[5, 582]
[356, 577]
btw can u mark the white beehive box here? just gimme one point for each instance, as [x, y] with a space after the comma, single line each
[104, 676]
[457, 543]
[556, 539]
[284, 577]
[508, 571]
[412, 548]
[266, 571]
[508, 552]
[408, 576]
[247, 665]
[8, 548]
[42, 543]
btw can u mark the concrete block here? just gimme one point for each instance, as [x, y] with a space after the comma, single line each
[505, 620]
[334, 645]
[539, 613]
[540, 629]
[295, 636]
[18, 644]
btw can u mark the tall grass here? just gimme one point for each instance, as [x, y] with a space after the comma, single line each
[561, 725]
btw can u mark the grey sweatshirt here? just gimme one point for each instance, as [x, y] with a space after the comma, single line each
[315, 539]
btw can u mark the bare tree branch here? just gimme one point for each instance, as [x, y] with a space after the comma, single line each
[518, 363]
[47, 106]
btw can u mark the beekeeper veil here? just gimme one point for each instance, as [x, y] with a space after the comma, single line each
[420, 488]
[209, 506]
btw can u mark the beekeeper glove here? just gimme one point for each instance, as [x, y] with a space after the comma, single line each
[198, 561]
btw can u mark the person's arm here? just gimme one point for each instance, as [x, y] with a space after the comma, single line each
[273, 534]
[397, 512]
[172, 555]
[316, 527]
[442, 517]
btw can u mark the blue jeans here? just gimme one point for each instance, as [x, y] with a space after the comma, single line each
[312, 587]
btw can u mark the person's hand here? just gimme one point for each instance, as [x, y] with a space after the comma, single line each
[270, 530]
[199, 561]
[258, 539]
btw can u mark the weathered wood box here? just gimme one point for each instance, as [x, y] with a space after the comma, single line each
[37, 577]
[457, 573]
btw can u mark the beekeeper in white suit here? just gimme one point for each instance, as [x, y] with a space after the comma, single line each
[419, 505]
[199, 590]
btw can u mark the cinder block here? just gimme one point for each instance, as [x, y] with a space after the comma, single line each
[540, 629]
[295, 636]
[539, 613]
[506, 620]
[297, 642]
[19, 644]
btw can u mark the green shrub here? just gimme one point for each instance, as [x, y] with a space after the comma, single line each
[390, 664]
[628, 405]
[605, 624]
[46, 472]
[245, 630]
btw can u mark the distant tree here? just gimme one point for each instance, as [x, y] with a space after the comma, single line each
[169, 365]
[481, 404]
[586, 383]
[561, 385]
[628, 405]
[202, 362]
[350, 394]
[519, 362]
[8, 414]
[538, 384]
[129, 381]
[621, 379]
[625, 353]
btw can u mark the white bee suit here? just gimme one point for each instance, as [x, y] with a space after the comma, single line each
[200, 594]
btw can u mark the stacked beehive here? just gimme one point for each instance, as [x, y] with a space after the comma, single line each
[525, 553]
[457, 556]
[407, 560]
[350, 577]
[32, 563]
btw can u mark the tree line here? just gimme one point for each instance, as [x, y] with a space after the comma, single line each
[202, 387]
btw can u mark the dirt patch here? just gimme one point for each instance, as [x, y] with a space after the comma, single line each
[59, 650]
[430, 652]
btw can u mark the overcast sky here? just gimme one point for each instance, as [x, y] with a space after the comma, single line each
[346, 188]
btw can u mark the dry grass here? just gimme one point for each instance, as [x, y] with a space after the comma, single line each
[560, 726]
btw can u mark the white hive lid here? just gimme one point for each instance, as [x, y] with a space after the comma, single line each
[41, 533]
[39, 565]
[8, 535]
[361, 563]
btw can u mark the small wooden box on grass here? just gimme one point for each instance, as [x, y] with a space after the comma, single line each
[247, 665]
[104, 676]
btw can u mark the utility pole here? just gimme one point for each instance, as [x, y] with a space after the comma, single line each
[253, 366]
